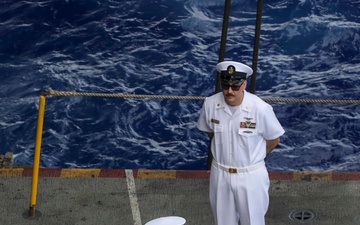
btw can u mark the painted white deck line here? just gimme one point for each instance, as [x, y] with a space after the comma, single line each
[133, 197]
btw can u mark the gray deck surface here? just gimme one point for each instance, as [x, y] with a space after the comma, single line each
[110, 201]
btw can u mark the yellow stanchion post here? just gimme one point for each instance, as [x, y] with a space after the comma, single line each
[36, 165]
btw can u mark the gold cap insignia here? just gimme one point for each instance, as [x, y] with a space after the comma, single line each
[231, 69]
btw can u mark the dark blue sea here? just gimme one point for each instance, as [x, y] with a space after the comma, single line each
[308, 49]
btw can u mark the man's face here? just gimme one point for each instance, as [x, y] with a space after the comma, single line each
[233, 91]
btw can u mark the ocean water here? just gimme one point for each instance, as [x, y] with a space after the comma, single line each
[308, 49]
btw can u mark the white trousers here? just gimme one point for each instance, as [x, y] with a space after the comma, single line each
[240, 197]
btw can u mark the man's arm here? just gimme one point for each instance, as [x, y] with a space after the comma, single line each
[271, 144]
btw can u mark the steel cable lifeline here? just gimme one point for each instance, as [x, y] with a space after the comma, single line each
[290, 100]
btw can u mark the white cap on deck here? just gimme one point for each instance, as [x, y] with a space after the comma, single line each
[168, 220]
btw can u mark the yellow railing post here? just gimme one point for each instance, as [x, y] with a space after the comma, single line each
[36, 165]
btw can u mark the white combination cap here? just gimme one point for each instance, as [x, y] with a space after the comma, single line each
[168, 220]
[233, 71]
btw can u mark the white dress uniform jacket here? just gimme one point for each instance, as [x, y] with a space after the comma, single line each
[240, 138]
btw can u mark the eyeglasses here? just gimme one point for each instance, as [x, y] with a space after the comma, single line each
[234, 87]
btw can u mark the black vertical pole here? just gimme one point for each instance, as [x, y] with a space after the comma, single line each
[223, 40]
[256, 45]
[221, 58]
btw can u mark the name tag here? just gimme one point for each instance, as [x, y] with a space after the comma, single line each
[215, 121]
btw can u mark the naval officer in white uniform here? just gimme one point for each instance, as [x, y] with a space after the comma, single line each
[244, 129]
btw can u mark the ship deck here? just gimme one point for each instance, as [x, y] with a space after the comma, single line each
[127, 197]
